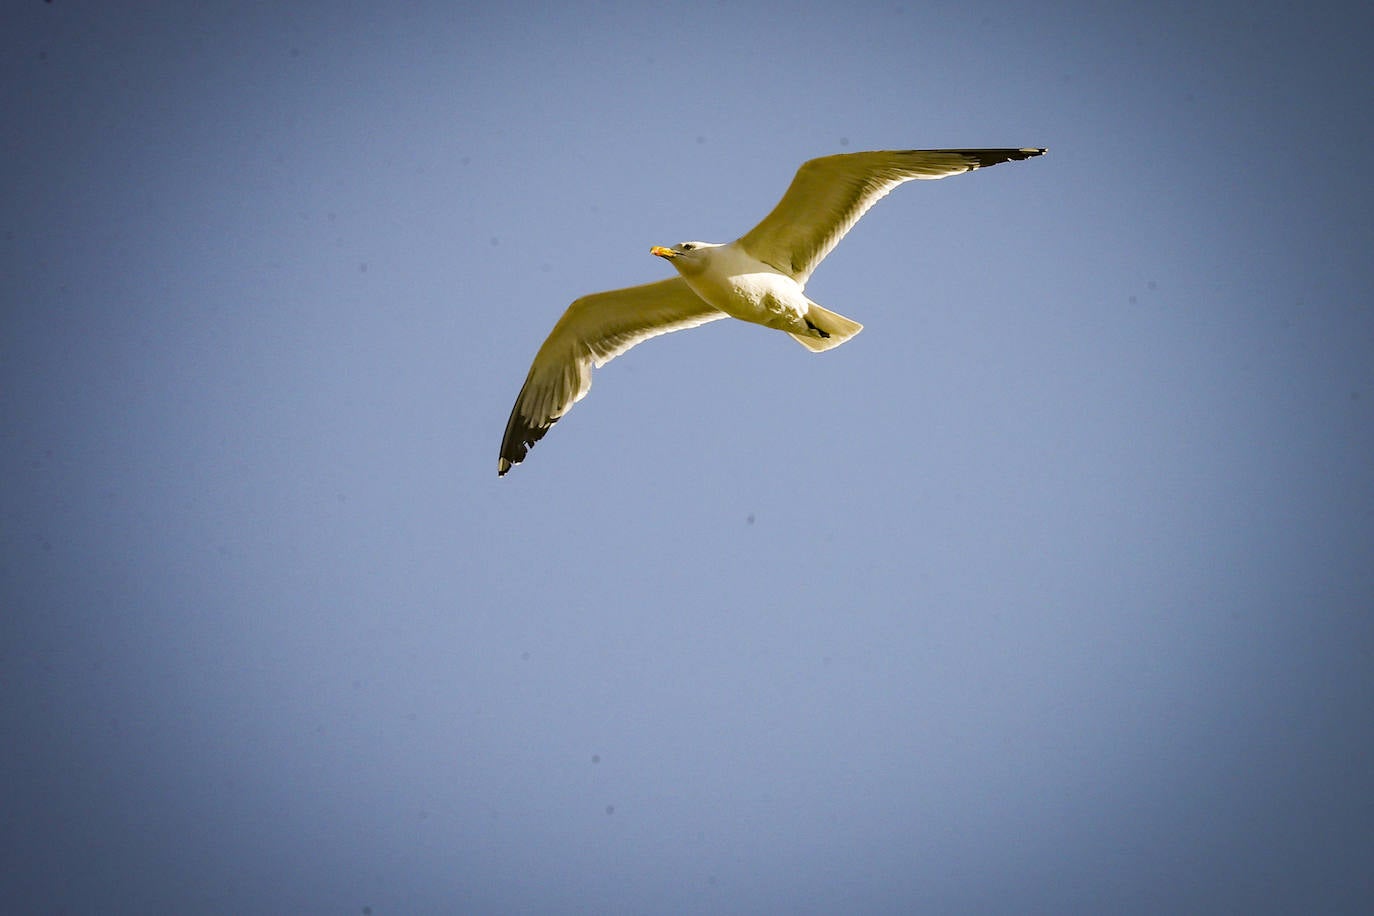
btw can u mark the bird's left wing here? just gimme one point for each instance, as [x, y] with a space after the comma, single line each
[828, 195]
[593, 331]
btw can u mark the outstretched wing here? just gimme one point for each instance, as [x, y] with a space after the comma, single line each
[828, 195]
[593, 331]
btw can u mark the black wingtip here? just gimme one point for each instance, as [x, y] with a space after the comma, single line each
[520, 437]
[512, 453]
[987, 157]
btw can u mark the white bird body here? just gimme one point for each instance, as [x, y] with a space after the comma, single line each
[742, 286]
[760, 278]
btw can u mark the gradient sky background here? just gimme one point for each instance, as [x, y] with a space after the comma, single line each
[1053, 591]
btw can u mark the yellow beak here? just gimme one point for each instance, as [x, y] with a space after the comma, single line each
[662, 252]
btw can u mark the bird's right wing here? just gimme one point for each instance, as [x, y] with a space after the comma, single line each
[594, 330]
[828, 195]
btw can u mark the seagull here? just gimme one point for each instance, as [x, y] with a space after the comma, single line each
[759, 278]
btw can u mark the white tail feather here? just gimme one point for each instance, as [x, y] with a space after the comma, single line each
[838, 327]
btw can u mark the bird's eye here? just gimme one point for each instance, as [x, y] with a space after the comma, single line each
[688, 246]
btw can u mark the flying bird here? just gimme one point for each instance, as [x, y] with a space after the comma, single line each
[759, 277]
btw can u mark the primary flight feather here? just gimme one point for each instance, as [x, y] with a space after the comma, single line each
[759, 278]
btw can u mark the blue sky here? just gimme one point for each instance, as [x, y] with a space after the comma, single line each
[1052, 591]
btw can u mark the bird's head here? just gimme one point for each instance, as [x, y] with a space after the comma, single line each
[687, 257]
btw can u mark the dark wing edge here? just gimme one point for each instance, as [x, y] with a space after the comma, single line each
[988, 157]
[521, 433]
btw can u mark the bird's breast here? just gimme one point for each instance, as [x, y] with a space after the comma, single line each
[760, 296]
